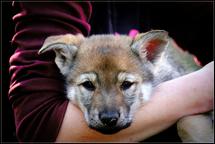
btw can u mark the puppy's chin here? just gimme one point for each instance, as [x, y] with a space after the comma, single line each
[109, 130]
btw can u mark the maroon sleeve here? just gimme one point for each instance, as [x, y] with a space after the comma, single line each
[37, 92]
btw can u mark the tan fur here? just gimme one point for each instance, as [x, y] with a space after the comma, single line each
[116, 57]
[107, 57]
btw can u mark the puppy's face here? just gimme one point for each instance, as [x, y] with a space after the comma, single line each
[107, 76]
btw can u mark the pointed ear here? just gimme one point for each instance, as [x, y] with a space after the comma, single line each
[65, 48]
[150, 45]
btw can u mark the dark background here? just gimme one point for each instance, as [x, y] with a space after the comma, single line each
[189, 23]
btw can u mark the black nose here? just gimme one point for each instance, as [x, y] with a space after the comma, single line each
[109, 118]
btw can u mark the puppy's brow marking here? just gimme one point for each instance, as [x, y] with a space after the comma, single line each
[124, 76]
[89, 76]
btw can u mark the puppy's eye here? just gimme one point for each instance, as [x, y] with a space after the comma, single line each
[126, 85]
[88, 85]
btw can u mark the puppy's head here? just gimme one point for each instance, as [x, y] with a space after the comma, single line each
[107, 76]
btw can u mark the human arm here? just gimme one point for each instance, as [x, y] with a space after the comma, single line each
[172, 100]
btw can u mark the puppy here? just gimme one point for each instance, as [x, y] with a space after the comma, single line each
[109, 77]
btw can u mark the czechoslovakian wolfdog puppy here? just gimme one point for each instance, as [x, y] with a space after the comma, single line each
[108, 77]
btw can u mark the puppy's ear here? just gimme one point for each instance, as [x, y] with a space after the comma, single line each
[150, 45]
[65, 48]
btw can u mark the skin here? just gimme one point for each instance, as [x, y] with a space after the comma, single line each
[171, 100]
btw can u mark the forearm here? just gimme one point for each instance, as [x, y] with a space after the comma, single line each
[192, 93]
[167, 105]
[145, 124]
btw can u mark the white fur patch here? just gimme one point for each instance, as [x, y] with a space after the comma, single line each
[71, 93]
[146, 89]
[86, 115]
[96, 114]
[123, 76]
[86, 77]
[121, 111]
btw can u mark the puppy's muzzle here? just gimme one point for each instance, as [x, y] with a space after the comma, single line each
[109, 118]
[110, 122]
